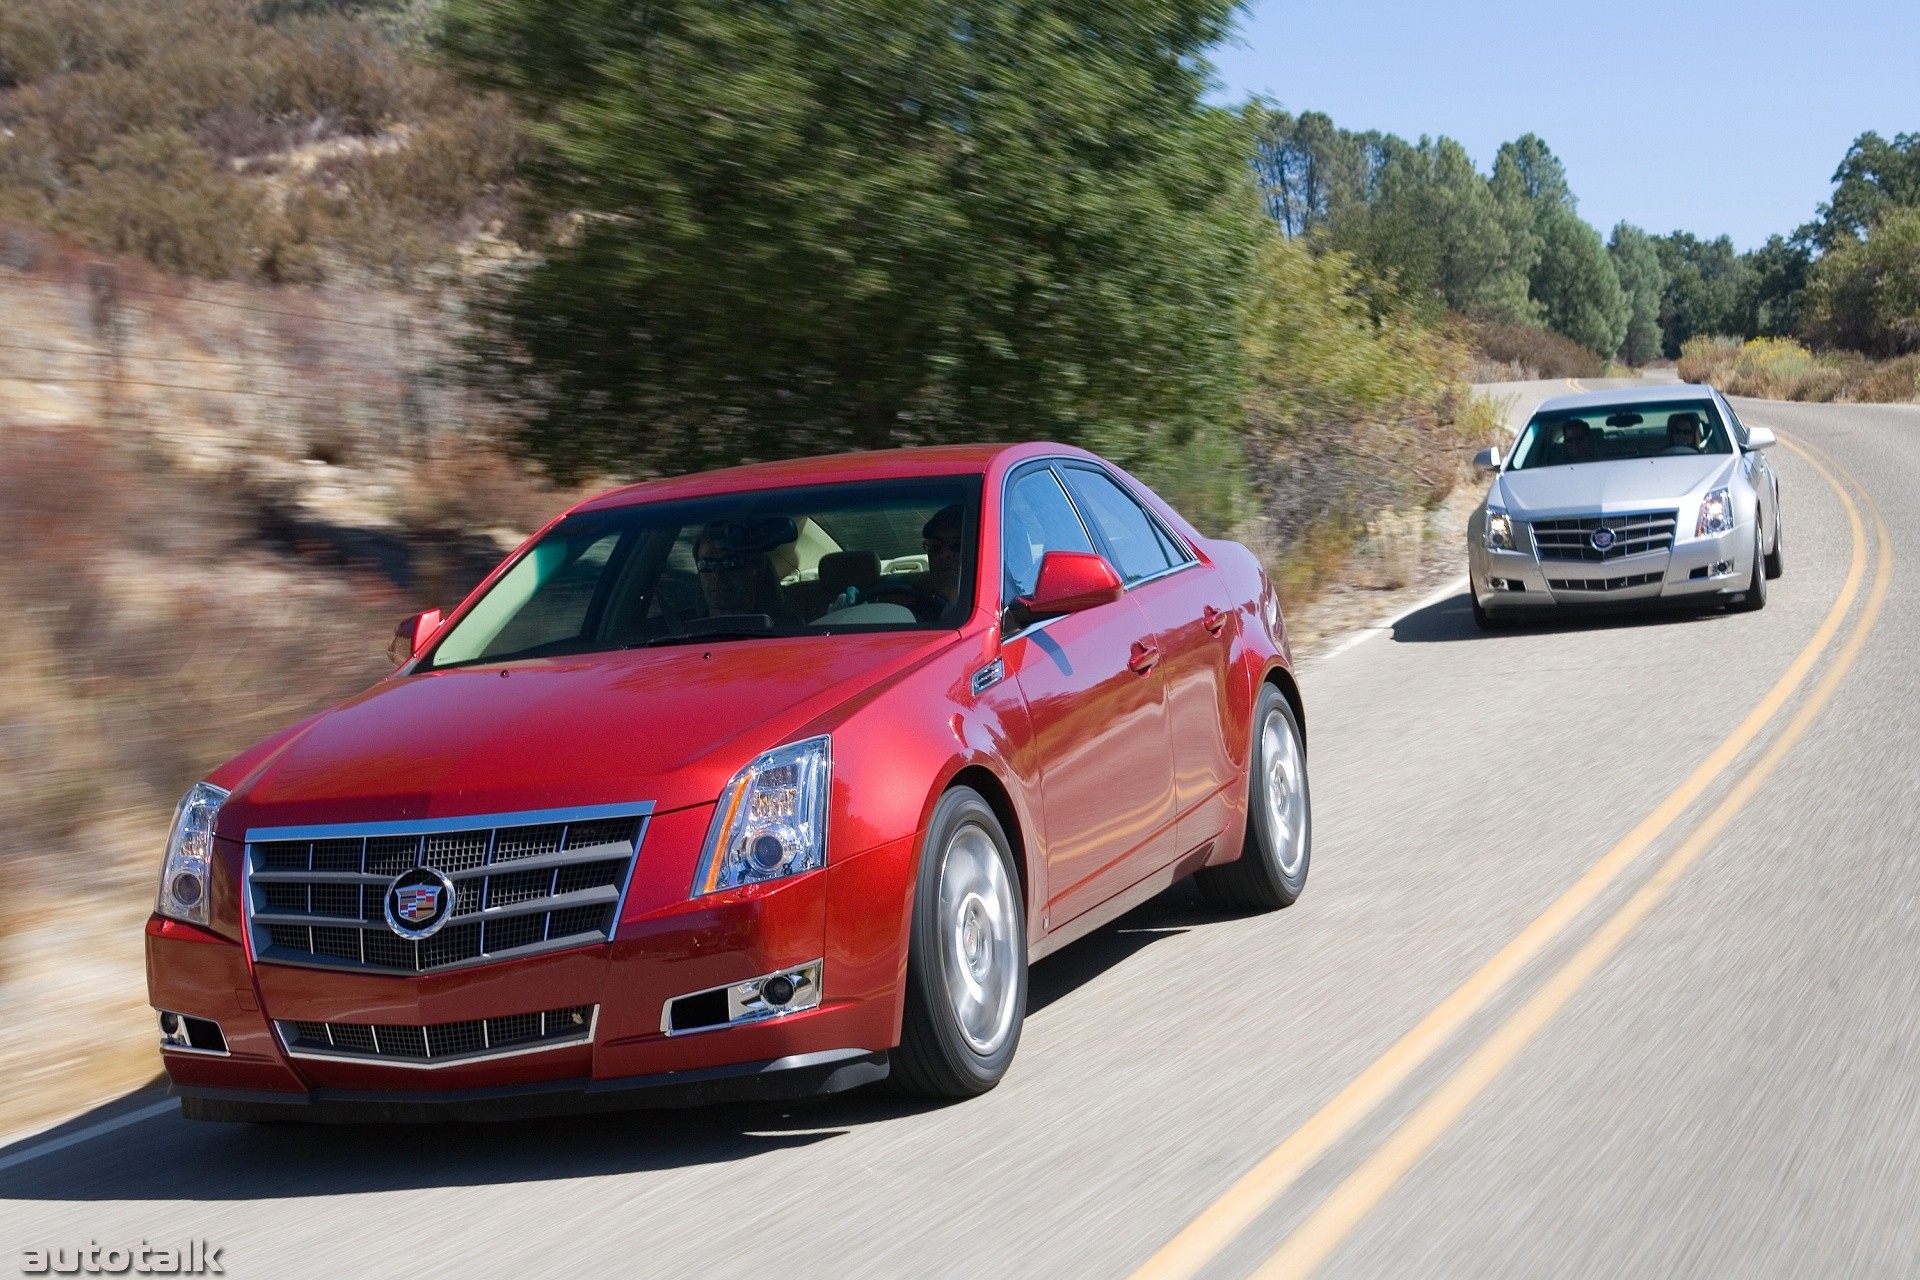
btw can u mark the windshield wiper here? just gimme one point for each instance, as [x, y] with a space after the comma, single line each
[733, 626]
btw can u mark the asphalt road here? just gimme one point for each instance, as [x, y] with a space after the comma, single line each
[1706, 1061]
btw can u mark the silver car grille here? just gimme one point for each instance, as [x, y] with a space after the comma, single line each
[523, 884]
[1572, 538]
[441, 1044]
[1605, 584]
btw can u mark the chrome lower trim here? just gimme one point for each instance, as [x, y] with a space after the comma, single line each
[436, 1064]
[743, 1004]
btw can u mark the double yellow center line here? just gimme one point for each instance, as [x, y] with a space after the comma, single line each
[1203, 1239]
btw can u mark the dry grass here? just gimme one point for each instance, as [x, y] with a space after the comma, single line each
[1782, 369]
[185, 576]
[1522, 353]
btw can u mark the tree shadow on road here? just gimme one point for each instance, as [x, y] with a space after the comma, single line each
[1452, 619]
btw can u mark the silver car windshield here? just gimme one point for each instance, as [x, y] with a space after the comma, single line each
[1611, 433]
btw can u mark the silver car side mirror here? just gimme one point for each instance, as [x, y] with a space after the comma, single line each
[1760, 438]
[1487, 460]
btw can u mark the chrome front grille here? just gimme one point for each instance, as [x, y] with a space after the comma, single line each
[1572, 538]
[441, 1044]
[1605, 584]
[523, 883]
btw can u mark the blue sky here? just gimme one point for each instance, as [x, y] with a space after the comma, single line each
[1704, 117]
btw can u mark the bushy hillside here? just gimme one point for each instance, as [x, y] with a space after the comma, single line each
[290, 141]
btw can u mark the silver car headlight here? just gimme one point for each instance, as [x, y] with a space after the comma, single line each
[1716, 514]
[185, 875]
[1499, 532]
[771, 821]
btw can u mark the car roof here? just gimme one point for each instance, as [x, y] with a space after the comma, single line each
[1661, 392]
[877, 464]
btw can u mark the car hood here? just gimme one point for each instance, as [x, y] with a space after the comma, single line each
[666, 725]
[1638, 484]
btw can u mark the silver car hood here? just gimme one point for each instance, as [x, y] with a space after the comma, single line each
[1634, 484]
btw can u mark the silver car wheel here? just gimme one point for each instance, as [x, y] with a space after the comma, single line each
[977, 906]
[1286, 807]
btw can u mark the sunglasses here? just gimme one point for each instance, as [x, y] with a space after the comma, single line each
[723, 564]
[950, 546]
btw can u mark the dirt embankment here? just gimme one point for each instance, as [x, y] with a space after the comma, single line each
[216, 501]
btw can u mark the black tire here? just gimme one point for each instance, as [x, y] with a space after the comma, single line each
[1755, 598]
[1263, 878]
[1776, 558]
[937, 1057]
[1481, 618]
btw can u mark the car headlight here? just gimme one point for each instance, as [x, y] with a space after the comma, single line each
[184, 877]
[1499, 535]
[771, 820]
[1716, 514]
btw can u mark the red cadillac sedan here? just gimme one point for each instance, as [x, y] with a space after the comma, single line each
[759, 783]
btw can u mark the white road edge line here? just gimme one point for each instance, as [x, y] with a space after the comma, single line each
[90, 1132]
[1450, 590]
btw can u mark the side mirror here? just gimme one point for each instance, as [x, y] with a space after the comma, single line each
[1069, 582]
[411, 636]
[1486, 460]
[1760, 438]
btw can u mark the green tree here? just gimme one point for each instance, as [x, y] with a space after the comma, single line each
[1432, 225]
[1705, 279]
[1575, 285]
[794, 225]
[1874, 177]
[1773, 286]
[1642, 281]
[1865, 294]
[1571, 280]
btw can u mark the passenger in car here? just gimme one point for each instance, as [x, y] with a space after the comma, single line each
[1683, 432]
[1576, 439]
[738, 580]
[940, 538]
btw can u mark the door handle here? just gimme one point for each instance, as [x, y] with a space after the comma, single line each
[1213, 619]
[1143, 659]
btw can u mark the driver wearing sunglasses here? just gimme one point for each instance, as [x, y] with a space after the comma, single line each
[738, 580]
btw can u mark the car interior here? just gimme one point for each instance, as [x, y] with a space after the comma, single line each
[1612, 435]
[615, 582]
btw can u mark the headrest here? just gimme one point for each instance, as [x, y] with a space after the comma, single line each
[842, 569]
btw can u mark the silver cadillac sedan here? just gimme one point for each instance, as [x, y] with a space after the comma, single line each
[1626, 498]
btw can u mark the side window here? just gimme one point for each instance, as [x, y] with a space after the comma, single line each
[1038, 519]
[1139, 550]
[1739, 427]
[560, 611]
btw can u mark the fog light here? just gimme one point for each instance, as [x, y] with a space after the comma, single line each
[184, 1034]
[772, 995]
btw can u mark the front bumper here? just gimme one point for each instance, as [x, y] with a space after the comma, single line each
[850, 917]
[795, 1076]
[1695, 570]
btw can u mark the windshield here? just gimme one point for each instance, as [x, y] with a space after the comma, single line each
[1682, 428]
[881, 556]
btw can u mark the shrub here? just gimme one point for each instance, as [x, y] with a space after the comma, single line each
[1534, 353]
[1707, 359]
[1782, 369]
[1865, 294]
[158, 195]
